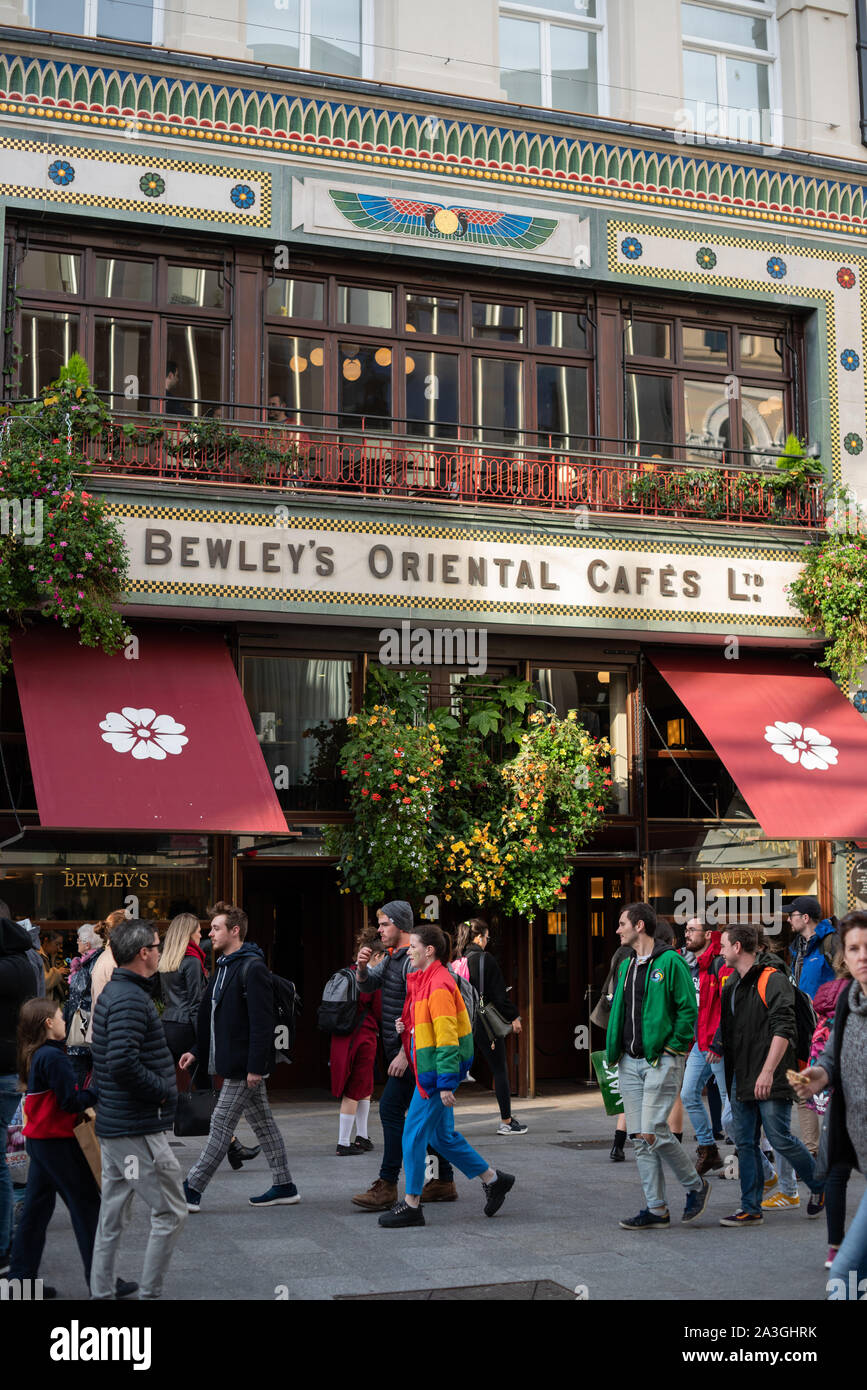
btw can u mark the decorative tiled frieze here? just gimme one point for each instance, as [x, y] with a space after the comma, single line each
[134, 181]
[686, 179]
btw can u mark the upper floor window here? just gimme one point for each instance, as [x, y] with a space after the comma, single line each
[729, 77]
[324, 35]
[551, 53]
[141, 22]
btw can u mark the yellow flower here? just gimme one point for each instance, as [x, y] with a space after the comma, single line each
[353, 719]
[432, 727]
[410, 778]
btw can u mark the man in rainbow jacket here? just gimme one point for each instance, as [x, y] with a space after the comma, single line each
[436, 1026]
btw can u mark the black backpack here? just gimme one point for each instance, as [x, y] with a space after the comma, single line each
[805, 1015]
[287, 1006]
[339, 1010]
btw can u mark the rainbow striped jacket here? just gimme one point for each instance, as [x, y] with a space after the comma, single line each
[441, 1037]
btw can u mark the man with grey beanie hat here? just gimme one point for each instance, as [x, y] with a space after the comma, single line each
[395, 921]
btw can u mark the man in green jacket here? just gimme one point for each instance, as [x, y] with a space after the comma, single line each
[650, 1032]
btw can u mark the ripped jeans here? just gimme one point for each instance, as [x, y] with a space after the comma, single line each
[648, 1095]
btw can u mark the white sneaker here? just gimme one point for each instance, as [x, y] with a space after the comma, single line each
[513, 1127]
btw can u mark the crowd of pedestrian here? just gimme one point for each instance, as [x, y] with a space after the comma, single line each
[761, 1035]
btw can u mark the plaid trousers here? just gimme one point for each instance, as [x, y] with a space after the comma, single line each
[236, 1099]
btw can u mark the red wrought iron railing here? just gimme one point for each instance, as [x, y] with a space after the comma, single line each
[601, 477]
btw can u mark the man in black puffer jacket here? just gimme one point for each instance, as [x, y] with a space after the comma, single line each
[135, 1076]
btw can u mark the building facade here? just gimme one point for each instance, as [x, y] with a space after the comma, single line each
[519, 304]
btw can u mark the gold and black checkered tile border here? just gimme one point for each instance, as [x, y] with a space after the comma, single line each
[706, 279]
[414, 602]
[451, 533]
[146, 162]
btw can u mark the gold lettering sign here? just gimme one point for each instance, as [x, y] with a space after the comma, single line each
[105, 878]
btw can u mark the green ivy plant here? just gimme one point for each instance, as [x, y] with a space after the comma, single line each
[831, 594]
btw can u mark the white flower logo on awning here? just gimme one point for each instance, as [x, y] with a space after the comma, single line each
[143, 732]
[801, 745]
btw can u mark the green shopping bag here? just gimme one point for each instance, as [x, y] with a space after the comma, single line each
[609, 1084]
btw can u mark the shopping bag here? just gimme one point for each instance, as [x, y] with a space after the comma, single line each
[85, 1133]
[193, 1115]
[609, 1083]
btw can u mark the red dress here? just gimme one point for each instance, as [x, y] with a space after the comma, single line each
[353, 1056]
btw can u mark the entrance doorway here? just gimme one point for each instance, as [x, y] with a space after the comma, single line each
[573, 946]
[304, 926]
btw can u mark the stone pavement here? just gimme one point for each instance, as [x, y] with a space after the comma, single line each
[558, 1227]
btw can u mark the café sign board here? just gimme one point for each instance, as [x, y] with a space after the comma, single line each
[322, 564]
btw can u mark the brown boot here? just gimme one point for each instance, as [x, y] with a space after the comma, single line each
[438, 1191]
[709, 1159]
[380, 1197]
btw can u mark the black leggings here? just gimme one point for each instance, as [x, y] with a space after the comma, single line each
[495, 1059]
[835, 1201]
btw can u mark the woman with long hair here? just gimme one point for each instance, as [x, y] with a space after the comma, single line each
[182, 979]
[472, 945]
[57, 1164]
[436, 1034]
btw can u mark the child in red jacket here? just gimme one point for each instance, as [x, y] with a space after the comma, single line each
[57, 1165]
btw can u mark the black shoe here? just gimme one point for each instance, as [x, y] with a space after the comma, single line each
[364, 1144]
[402, 1214]
[238, 1154]
[125, 1288]
[816, 1204]
[348, 1151]
[617, 1155]
[696, 1202]
[497, 1191]
[646, 1221]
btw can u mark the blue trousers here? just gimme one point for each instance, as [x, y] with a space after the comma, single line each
[428, 1121]
[697, 1073]
[393, 1105]
[750, 1116]
[848, 1276]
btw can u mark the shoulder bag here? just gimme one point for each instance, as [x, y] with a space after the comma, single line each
[194, 1111]
[495, 1025]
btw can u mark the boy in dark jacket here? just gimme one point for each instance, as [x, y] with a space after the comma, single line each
[757, 1037]
[235, 1036]
[135, 1076]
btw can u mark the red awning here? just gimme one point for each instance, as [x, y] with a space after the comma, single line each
[162, 742]
[794, 745]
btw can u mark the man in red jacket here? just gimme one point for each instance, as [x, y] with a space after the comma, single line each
[709, 972]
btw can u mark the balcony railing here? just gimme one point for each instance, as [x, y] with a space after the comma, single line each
[603, 476]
